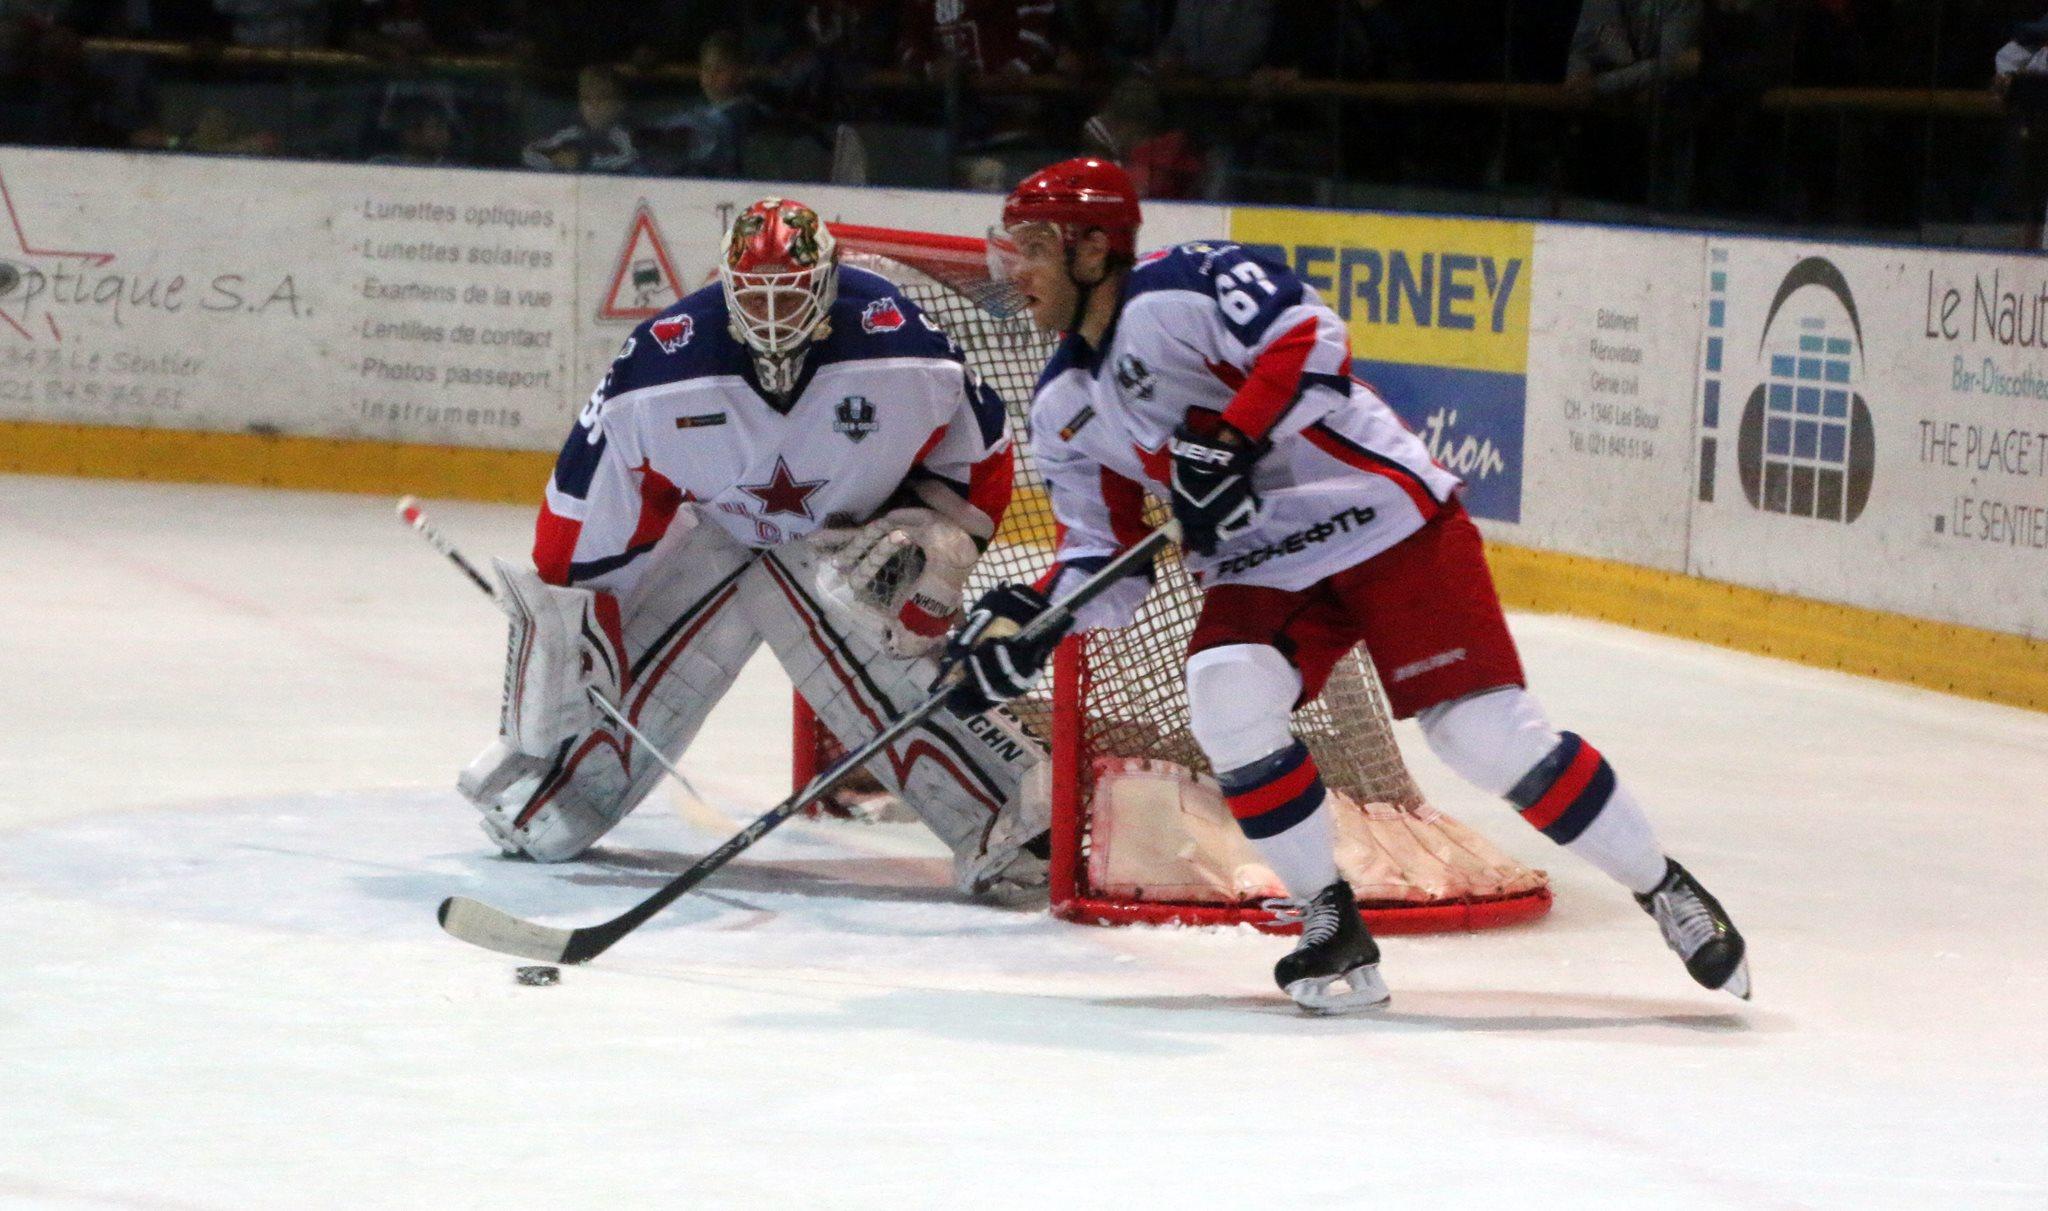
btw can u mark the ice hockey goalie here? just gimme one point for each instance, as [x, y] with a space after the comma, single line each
[795, 455]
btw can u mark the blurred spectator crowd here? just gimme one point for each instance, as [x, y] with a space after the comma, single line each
[1663, 107]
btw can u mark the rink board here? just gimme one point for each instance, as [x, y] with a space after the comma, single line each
[362, 328]
[278, 298]
[1438, 312]
[1878, 421]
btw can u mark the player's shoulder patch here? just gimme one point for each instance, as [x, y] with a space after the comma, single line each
[671, 333]
[872, 318]
[881, 315]
[686, 340]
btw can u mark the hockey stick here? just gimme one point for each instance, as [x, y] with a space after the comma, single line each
[494, 929]
[409, 511]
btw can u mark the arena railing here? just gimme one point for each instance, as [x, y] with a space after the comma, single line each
[1475, 146]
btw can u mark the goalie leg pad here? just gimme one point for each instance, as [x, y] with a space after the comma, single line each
[1502, 742]
[563, 644]
[550, 811]
[499, 778]
[968, 780]
[687, 640]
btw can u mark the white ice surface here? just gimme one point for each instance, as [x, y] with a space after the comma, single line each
[229, 725]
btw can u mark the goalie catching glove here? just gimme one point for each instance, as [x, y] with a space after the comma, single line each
[995, 664]
[1212, 481]
[899, 578]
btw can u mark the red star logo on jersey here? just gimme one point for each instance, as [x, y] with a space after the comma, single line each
[784, 493]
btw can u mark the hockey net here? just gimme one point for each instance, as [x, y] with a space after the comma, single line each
[1140, 832]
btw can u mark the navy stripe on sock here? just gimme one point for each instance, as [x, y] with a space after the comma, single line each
[1278, 820]
[1585, 808]
[1539, 780]
[1247, 778]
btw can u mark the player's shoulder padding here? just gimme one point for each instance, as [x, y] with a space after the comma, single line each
[1180, 267]
[1250, 291]
[689, 339]
[873, 318]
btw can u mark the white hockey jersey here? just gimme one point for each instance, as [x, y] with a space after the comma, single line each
[1207, 326]
[680, 424]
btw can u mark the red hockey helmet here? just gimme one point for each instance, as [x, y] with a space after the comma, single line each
[1075, 195]
[781, 275]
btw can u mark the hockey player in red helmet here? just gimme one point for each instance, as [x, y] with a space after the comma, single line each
[1314, 520]
[1052, 212]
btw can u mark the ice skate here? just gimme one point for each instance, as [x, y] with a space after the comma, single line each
[1698, 929]
[1335, 951]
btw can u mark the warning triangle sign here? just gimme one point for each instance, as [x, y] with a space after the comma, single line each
[645, 280]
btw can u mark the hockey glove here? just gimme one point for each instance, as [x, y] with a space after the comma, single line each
[1212, 482]
[899, 578]
[995, 666]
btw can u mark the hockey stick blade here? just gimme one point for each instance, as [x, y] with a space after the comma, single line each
[479, 924]
[494, 929]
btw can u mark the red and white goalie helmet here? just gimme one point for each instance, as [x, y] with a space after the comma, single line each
[781, 274]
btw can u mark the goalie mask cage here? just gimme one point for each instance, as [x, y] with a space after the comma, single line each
[1115, 696]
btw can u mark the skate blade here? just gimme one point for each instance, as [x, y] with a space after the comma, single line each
[1737, 982]
[1314, 994]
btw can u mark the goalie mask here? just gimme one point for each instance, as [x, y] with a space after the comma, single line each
[780, 272]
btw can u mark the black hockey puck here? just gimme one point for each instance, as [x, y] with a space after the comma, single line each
[539, 977]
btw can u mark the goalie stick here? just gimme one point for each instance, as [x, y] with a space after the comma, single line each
[498, 931]
[410, 512]
[494, 929]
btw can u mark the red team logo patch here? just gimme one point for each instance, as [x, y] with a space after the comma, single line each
[882, 315]
[672, 333]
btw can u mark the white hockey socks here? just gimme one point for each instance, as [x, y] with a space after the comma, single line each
[1501, 742]
[1240, 701]
[1573, 797]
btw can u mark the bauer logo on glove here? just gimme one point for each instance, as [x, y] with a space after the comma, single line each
[1212, 481]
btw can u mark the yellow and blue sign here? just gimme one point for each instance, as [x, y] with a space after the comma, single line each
[1439, 316]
